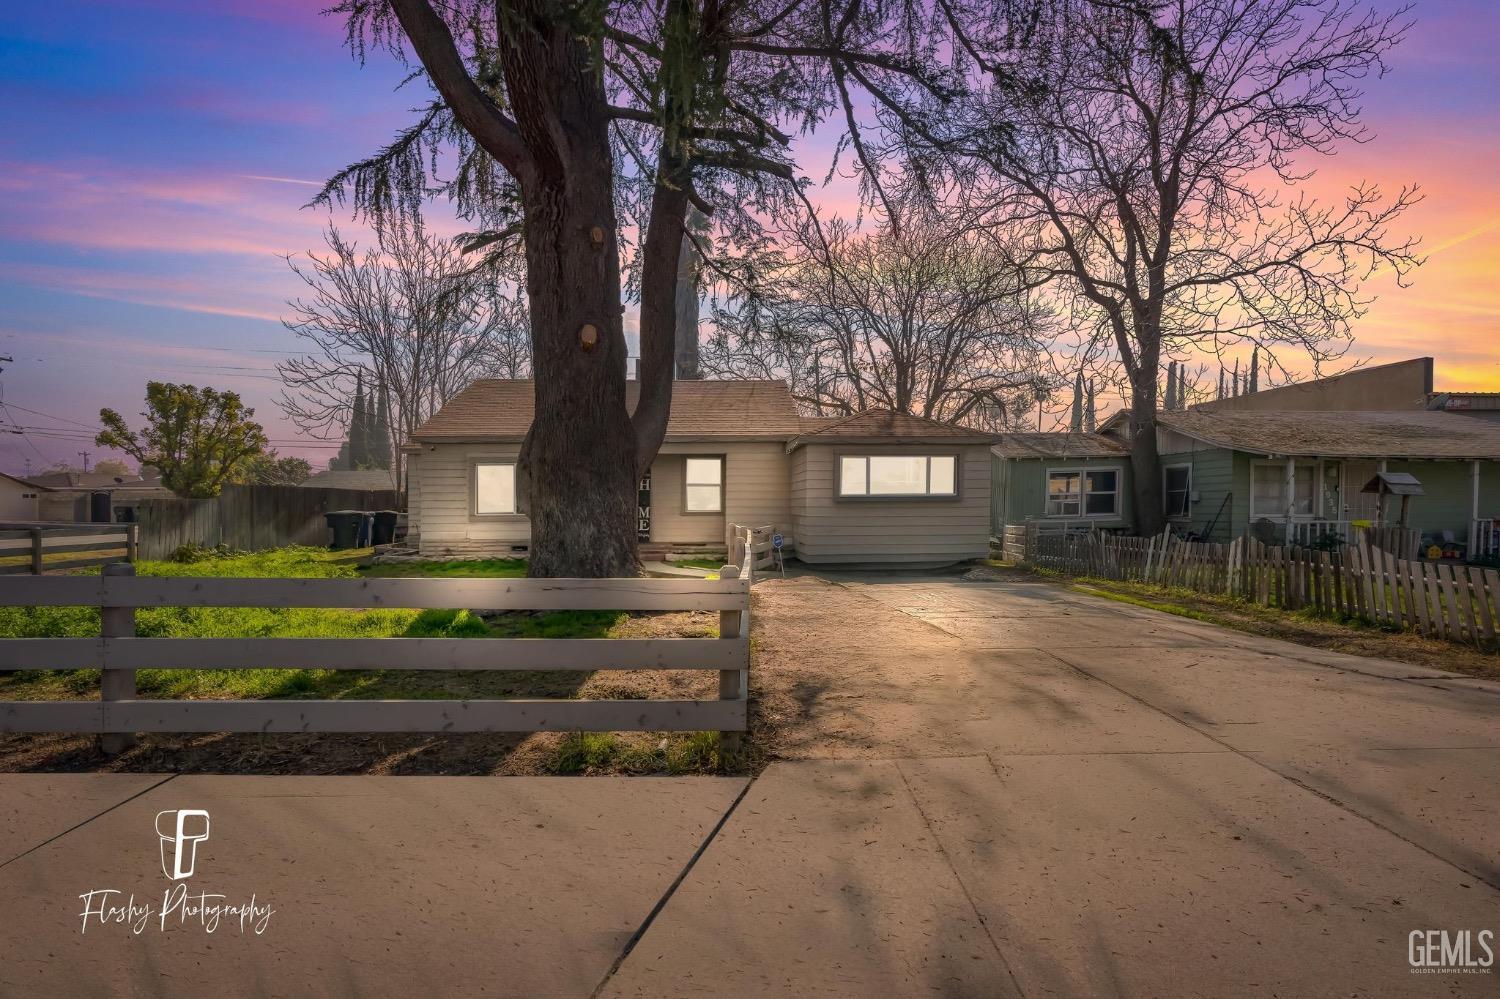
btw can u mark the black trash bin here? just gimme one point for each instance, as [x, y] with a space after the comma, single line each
[384, 530]
[343, 525]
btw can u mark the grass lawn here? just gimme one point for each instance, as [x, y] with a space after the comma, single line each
[635, 752]
[698, 563]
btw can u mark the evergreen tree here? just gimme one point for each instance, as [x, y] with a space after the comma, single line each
[1255, 370]
[1089, 423]
[380, 434]
[359, 427]
[1075, 425]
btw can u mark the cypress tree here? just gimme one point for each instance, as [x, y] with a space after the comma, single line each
[1076, 423]
[1255, 369]
[1171, 385]
[359, 427]
[1088, 409]
[380, 435]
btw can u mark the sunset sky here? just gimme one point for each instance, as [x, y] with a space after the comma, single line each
[155, 158]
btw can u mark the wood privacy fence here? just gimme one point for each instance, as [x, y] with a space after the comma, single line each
[118, 653]
[35, 548]
[1459, 603]
[251, 518]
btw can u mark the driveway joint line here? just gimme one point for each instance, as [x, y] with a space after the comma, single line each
[1248, 755]
[666, 897]
[968, 895]
[53, 839]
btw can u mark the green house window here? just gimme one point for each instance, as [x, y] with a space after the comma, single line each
[1083, 492]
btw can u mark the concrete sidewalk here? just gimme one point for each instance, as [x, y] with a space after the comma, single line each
[378, 886]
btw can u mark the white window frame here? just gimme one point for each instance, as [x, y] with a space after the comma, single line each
[1082, 471]
[723, 470]
[927, 494]
[1187, 502]
[474, 513]
[1280, 514]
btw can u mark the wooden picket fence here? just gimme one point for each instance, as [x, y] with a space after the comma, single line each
[1459, 603]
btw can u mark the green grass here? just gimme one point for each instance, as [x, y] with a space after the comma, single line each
[608, 752]
[261, 622]
[698, 563]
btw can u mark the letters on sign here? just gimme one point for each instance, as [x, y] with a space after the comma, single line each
[643, 508]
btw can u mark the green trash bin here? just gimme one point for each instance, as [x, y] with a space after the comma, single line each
[383, 531]
[343, 526]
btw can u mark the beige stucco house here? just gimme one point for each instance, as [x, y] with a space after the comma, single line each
[872, 489]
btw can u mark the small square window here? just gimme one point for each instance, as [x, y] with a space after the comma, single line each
[703, 485]
[494, 488]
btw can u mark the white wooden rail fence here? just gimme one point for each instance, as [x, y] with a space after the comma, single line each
[118, 653]
[25, 546]
[751, 548]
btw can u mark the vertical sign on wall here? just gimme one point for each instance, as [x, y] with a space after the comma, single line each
[643, 508]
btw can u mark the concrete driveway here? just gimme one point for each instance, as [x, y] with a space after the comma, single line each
[1042, 793]
[986, 789]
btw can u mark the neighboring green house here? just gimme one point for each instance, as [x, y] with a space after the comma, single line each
[1279, 474]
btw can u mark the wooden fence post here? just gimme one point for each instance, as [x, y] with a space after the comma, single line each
[36, 551]
[731, 687]
[132, 542]
[116, 684]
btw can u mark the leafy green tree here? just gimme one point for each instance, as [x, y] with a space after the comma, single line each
[269, 469]
[198, 438]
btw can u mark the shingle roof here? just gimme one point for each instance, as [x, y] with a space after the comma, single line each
[879, 425]
[1397, 434]
[495, 409]
[1037, 444]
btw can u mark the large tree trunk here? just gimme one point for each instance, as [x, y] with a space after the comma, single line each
[578, 464]
[1145, 463]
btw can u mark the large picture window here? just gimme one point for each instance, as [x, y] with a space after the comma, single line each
[1177, 490]
[898, 475]
[1083, 492]
[1268, 490]
[704, 489]
[494, 488]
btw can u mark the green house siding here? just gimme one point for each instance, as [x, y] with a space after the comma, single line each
[1021, 490]
[1214, 481]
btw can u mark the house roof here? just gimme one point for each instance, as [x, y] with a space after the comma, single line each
[882, 425]
[1395, 434]
[102, 481]
[1036, 444]
[26, 482]
[499, 409]
[351, 478]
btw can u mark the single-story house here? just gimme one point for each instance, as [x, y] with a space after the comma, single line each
[20, 499]
[96, 497]
[1297, 473]
[870, 489]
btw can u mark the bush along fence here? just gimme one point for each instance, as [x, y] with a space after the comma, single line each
[118, 653]
[32, 549]
[1455, 602]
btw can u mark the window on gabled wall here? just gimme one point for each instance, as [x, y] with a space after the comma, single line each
[704, 485]
[896, 475]
[494, 488]
[1083, 492]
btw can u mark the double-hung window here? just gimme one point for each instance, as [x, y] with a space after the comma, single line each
[1177, 490]
[898, 475]
[1083, 492]
[494, 488]
[703, 485]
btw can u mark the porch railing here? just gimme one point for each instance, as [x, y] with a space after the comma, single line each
[1484, 538]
